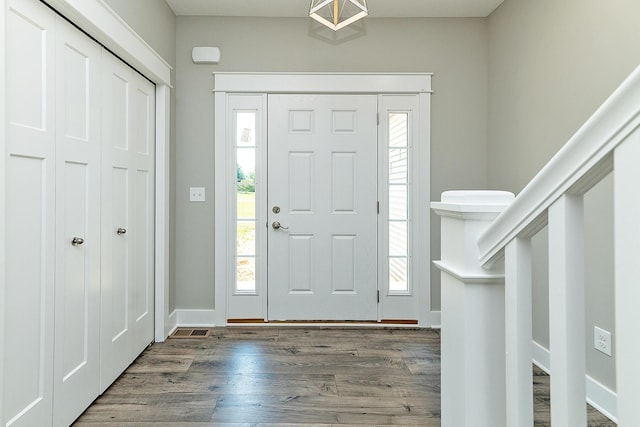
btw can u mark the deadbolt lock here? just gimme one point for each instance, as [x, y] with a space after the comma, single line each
[276, 209]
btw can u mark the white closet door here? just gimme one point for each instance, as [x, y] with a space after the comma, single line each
[142, 107]
[127, 222]
[117, 198]
[27, 395]
[77, 293]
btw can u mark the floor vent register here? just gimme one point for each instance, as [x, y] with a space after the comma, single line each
[190, 333]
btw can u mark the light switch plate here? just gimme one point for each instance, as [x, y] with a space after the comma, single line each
[602, 340]
[196, 194]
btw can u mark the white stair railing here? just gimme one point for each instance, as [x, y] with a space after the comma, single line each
[608, 142]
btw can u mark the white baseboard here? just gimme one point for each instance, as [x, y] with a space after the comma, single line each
[172, 323]
[598, 395]
[197, 318]
[435, 319]
[602, 398]
[541, 358]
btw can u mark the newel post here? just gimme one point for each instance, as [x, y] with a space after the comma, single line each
[473, 312]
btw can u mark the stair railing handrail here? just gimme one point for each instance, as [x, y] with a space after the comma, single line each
[580, 164]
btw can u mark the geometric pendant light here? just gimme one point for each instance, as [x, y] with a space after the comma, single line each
[337, 14]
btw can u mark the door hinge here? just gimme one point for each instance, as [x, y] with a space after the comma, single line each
[378, 293]
[378, 119]
[378, 207]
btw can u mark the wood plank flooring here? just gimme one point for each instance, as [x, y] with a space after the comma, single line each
[287, 376]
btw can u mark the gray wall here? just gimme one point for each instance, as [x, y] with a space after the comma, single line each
[454, 49]
[551, 64]
[155, 22]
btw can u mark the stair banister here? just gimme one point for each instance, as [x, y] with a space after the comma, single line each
[608, 142]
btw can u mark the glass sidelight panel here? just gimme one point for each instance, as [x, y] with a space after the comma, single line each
[398, 202]
[246, 274]
[245, 152]
[398, 166]
[398, 275]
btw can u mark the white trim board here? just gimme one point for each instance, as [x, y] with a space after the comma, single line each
[598, 395]
[98, 20]
[390, 83]
[172, 323]
[3, 150]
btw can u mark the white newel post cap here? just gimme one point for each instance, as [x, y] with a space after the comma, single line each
[473, 201]
[465, 216]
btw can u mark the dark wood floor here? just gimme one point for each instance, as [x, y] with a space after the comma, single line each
[287, 377]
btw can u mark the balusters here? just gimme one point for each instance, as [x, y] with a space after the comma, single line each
[567, 312]
[518, 329]
[627, 280]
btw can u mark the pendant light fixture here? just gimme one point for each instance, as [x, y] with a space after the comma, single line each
[337, 14]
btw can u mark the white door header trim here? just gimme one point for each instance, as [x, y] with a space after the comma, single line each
[373, 83]
[96, 18]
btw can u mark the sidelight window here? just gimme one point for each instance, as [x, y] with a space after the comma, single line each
[398, 201]
[245, 195]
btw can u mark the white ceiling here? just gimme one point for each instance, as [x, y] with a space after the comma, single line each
[300, 8]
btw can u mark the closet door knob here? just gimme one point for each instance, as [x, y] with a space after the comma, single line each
[77, 241]
[121, 231]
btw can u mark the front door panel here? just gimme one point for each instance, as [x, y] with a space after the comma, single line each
[323, 178]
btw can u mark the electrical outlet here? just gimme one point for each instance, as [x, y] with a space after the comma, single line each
[602, 340]
[196, 194]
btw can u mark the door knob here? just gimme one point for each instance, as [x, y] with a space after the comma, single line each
[277, 226]
[121, 231]
[77, 241]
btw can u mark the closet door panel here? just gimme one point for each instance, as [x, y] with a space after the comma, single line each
[27, 395]
[143, 256]
[77, 293]
[121, 265]
[74, 288]
[117, 269]
[143, 119]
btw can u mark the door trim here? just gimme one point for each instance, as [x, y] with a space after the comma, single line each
[329, 83]
[226, 84]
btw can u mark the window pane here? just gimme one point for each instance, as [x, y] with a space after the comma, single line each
[246, 205]
[398, 129]
[246, 169]
[398, 238]
[246, 129]
[245, 274]
[246, 238]
[398, 275]
[398, 166]
[398, 202]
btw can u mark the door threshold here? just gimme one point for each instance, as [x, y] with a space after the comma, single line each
[397, 323]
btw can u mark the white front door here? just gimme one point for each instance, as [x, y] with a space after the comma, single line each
[322, 190]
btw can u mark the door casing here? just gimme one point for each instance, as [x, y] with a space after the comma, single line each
[228, 85]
